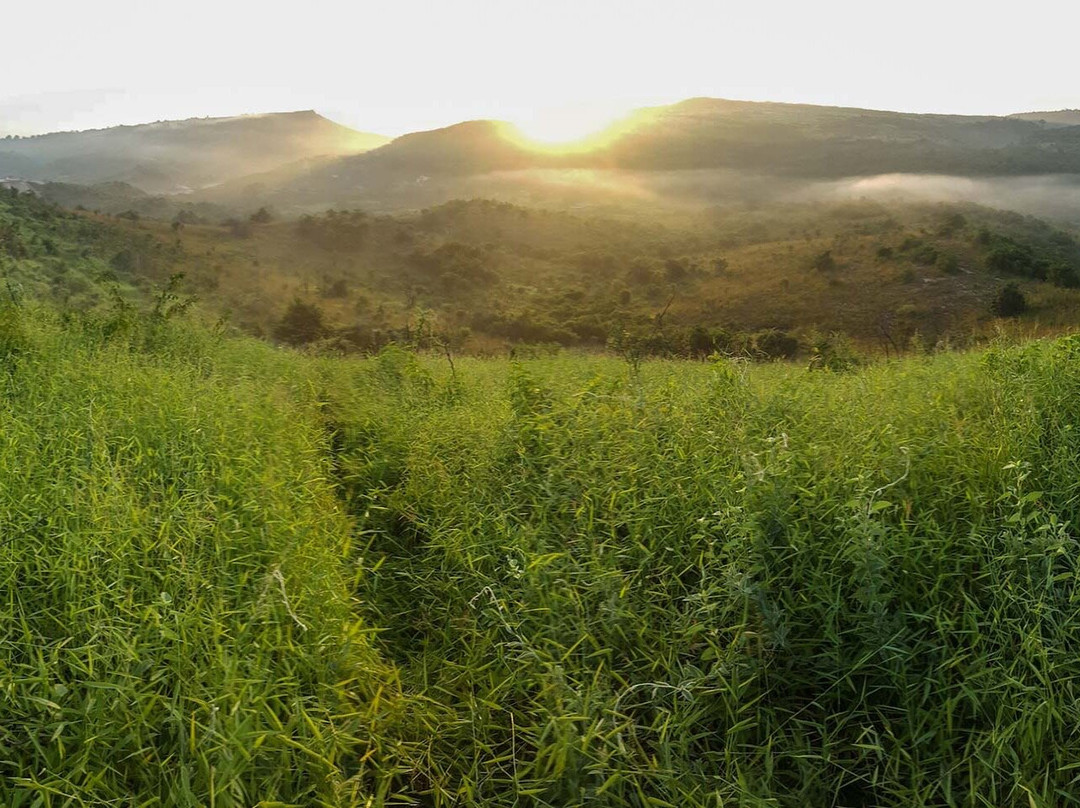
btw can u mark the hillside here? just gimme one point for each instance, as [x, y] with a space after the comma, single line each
[414, 169]
[774, 142]
[122, 198]
[1061, 117]
[78, 262]
[174, 156]
[699, 150]
[488, 275]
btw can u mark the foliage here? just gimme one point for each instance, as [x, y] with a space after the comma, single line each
[302, 323]
[1009, 301]
[238, 575]
[176, 624]
[824, 261]
[505, 275]
[706, 585]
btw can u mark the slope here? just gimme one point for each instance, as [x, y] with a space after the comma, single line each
[170, 156]
[657, 147]
[489, 274]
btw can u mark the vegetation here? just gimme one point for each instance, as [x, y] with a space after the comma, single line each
[487, 276]
[240, 576]
[75, 261]
[1009, 302]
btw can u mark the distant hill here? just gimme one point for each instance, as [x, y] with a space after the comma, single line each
[817, 141]
[413, 170]
[1061, 117]
[122, 197]
[701, 149]
[177, 156]
[790, 142]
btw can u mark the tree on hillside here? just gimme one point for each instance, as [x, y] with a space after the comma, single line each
[302, 323]
[824, 262]
[1009, 301]
[262, 216]
[1063, 275]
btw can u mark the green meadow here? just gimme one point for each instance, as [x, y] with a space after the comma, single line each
[234, 575]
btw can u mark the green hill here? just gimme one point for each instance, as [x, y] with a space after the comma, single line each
[487, 275]
[75, 260]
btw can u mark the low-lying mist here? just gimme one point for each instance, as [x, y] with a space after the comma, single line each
[1049, 196]
[1054, 196]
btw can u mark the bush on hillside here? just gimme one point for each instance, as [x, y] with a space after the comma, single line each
[1063, 275]
[1009, 302]
[302, 323]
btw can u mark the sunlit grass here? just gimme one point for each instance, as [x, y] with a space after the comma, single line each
[232, 575]
[710, 585]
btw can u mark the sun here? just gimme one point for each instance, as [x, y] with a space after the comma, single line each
[569, 128]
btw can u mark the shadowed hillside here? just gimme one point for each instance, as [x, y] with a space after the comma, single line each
[170, 156]
[699, 150]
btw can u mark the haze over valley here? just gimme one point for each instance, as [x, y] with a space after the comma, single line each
[696, 151]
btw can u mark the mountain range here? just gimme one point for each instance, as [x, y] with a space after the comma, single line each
[301, 161]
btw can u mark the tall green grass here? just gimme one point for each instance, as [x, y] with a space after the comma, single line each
[175, 626]
[715, 585]
[237, 576]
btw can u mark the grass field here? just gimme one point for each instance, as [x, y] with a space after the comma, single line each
[232, 575]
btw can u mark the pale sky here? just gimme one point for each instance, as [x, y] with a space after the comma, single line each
[553, 66]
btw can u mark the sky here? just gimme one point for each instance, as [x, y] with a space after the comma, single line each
[558, 68]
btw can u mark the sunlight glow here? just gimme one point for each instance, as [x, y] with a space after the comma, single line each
[574, 129]
[566, 125]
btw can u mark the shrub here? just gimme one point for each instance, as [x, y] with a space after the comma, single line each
[13, 337]
[824, 262]
[1063, 275]
[262, 216]
[701, 342]
[1014, 259]
[337, 289]
[948, 263]
[832, 352]
[1009, 302]
[302, 323]
[924, 255]
[774, 344]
